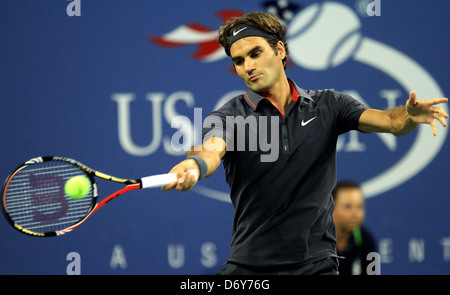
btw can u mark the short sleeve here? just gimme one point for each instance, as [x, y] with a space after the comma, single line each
[214, 126]
[349, 112]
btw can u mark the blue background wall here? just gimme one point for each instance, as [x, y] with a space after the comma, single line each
[65, 79]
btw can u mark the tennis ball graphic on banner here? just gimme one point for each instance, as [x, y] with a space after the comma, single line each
[318, 45]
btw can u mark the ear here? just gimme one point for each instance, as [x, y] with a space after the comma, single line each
[281, 50]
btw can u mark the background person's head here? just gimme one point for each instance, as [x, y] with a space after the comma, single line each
[349, 207]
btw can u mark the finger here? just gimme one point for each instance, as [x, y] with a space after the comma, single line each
[189, 182]
[173, 185]
[439, 111]
[440, 118]
[189, 179]
[433, 127]
[412, 97]
[439, 100]
[434, 101]
[443, 113]
[193, 175]
[440, 114]
[169, 187]
[181, 181]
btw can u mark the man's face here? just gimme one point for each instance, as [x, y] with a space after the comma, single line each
[257, 63]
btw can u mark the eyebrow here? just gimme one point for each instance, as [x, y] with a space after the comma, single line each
[250, 52]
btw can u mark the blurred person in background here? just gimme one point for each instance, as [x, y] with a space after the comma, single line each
[354, 240]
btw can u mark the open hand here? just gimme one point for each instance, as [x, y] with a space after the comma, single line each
[425, 112]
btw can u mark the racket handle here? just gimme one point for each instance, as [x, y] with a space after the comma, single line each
[162, 179]
[158, 180]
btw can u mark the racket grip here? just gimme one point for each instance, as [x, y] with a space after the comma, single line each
[158, 180]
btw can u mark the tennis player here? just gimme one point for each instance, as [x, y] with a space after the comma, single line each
[283, 204]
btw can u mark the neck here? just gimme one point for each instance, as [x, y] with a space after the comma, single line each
[280, 94]
[343, 234]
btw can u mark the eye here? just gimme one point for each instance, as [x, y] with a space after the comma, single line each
[256, 54]
[238, 61]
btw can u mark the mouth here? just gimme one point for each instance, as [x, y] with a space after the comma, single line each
[254, 78]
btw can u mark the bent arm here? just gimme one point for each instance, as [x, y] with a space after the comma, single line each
[211, 151]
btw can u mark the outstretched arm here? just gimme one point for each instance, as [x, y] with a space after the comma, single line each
[403, 119]
[211, 152]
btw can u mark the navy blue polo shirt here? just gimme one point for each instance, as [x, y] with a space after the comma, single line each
[282, 199]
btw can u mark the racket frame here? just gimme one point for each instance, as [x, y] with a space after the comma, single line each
[130, 184]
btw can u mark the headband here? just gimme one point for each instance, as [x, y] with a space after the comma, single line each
[243, 31]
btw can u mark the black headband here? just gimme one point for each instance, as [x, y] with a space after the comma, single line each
[243, 31]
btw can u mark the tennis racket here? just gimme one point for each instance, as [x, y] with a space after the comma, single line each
[34, 201]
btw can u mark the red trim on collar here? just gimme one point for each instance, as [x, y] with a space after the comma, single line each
[295, 94]
[250, 100]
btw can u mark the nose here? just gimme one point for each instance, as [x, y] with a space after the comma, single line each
[357, 213]
[249, 65]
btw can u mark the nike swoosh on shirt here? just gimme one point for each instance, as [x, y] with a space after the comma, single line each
[307, 122]
[237, 32]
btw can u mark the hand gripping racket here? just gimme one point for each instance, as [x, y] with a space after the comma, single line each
[34, 201]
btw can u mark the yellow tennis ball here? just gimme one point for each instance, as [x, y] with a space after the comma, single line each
[77, 187]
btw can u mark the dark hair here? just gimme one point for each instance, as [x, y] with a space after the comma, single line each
[264, 21]
[345, 184]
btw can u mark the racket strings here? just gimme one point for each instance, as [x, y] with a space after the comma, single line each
[35, 197]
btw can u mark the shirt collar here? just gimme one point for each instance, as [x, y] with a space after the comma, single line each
[253, 98]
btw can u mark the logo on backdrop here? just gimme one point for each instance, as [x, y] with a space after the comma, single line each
[339, 41]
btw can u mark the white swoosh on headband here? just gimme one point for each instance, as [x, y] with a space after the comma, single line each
[237, 32]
